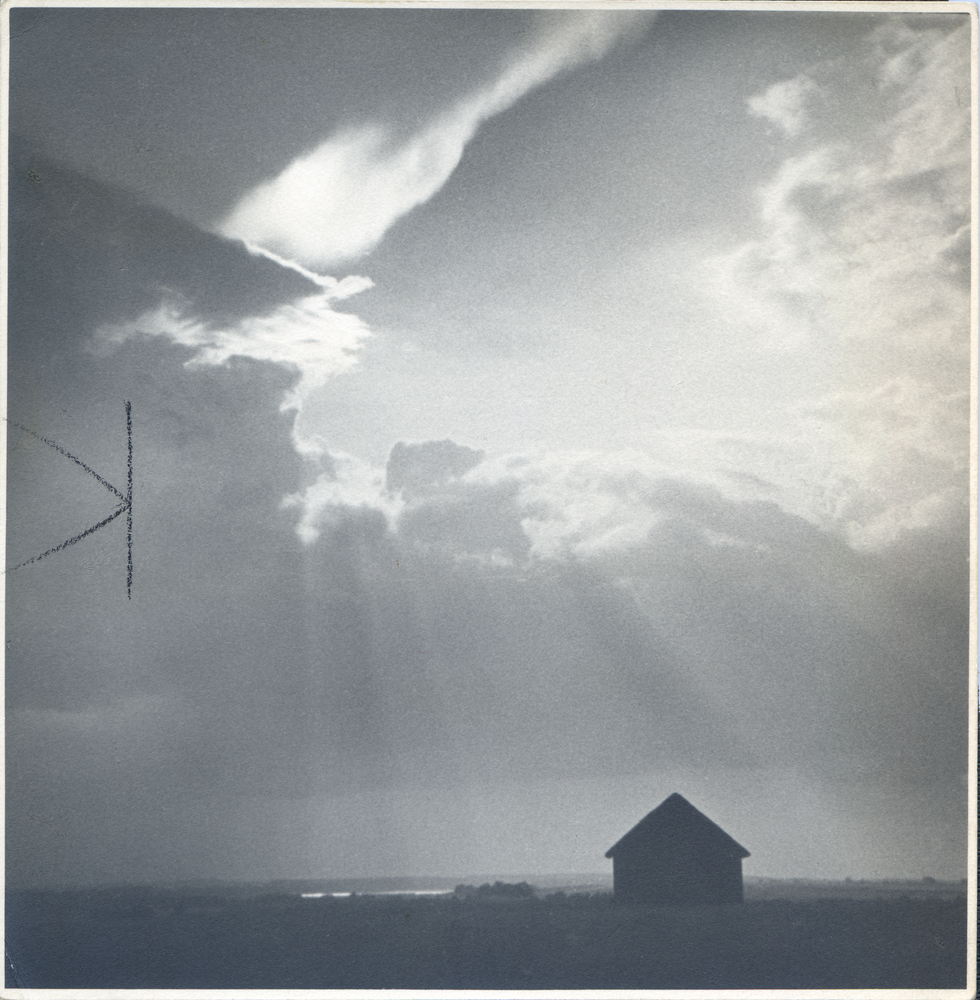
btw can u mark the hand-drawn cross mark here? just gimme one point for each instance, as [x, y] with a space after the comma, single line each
[125, 506]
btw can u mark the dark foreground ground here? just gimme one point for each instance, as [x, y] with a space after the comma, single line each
[128, 938]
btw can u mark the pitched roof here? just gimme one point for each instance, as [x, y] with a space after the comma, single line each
[676, 817]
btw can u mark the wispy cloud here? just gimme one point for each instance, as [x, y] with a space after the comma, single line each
[336, 202]
[339, 288]
[785, 103]
[862, 253]
[864, 228]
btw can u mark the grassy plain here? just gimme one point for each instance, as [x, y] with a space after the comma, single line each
[785, 936]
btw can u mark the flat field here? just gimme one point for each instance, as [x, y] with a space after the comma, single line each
[167, 938]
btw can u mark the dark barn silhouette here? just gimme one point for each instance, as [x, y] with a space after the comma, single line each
[676, 855]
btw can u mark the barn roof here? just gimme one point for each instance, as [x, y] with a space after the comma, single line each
[676, 817]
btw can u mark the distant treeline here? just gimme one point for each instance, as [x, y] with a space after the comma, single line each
[505, 890]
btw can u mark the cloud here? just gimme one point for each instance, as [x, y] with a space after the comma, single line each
[336, 202]
[340, 289]
[743, 603]
[864, 228]
[115, 253]
[126, 270]
[412, 468]
[412, 473]
[890, 461]
[859, 272]
[869, 469]
[577, 506]
[350, 484]
[307, 336]
[784, 103]
[520, 510]
[508, 509]
[457, 618]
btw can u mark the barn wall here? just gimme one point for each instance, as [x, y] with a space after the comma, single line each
[680, 878]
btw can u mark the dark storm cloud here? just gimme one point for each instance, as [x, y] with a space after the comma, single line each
[82, 255]
[462, 520]
[472, 522]
[454, 621]
[855, 658]
[822, 639]
[111, 256]
[235, 672]
[498, 630]
[372, 676]
[433, 670]
[111, 702]
[413, 467]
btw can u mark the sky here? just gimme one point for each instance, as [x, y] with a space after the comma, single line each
[534, 413]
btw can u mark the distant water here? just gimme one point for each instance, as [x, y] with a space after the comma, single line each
[385, 892]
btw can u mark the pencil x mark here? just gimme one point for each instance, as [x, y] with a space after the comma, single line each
[126, 505]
